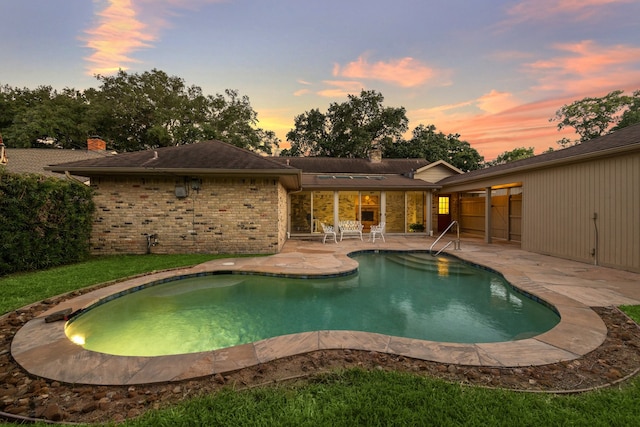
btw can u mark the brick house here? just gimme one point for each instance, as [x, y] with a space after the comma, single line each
[580, 203]
[209, 197]
[213, 197]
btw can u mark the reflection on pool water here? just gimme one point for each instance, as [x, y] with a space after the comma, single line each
[411, 295]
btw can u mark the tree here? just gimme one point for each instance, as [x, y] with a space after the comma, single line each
[141, 111]
[513, 155]
[230, 118]
[593, 117]
[428, 144]
[43, 115]
[349, 129]
[131, 112]
[6, 106]
[631, 116]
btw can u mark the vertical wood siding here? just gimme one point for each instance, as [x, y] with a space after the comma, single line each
[515, 217]
[559, 205]
[472, 215]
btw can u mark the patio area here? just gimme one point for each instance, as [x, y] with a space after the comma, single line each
[44, 350]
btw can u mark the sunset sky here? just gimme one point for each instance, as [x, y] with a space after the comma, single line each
[493, 71]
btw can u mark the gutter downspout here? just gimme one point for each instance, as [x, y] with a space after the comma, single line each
[72, 178]
[595, 250]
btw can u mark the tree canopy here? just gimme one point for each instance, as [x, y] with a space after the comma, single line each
[513, 155]
[428, 144]
[130, 112]
[348, 129]
[353, 128]
[592, 117]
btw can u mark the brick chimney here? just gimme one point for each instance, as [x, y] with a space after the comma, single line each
[96, 144]
[375, 155]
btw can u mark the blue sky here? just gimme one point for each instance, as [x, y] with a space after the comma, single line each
[492, 71]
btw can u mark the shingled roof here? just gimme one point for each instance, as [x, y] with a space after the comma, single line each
[219, 158]
[335, 165]
[34, 160]
[623, 140]
[339, 173]
[203, 158]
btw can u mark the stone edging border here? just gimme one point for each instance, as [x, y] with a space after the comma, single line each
[43, 349]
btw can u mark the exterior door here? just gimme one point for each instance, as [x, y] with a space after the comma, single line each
[444, 212]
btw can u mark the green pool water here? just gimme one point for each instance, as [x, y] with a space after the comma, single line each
[410, 295]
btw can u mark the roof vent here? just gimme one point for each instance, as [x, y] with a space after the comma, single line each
[155, 155]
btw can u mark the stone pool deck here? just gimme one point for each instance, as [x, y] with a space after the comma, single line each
[571, 287]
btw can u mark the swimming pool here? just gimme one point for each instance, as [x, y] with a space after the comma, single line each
[402, 294]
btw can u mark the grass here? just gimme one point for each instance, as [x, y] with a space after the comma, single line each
[348, 398]
[21, 289]
[377, 398]
[633, 311]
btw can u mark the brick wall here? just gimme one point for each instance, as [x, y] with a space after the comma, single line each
[227, 215]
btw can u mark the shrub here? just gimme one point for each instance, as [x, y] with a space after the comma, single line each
[44, 222]
[416, 227]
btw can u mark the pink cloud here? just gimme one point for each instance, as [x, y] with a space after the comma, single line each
[495, 102]
[404, 72]
[497, 121]
[584, 66]
[340, 88]
[492, 133]
[575, 10]
[118, 33]
[301, 92]
[123, 27]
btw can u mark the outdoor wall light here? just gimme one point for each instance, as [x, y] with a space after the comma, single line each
[195, 184]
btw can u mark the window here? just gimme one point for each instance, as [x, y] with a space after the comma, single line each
[443, 205]
[301, 212]
[416, 210]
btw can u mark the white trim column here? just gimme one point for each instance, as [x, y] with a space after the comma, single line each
[336, 209]
[429, 213]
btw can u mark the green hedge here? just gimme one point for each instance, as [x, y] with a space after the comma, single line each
[44, 222]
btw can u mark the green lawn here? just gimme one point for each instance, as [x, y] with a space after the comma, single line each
[358, 398]
[22, 289]
[348, 398]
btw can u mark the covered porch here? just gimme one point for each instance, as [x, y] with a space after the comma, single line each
[403, 204]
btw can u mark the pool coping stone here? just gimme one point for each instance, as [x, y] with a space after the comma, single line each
[43, 349]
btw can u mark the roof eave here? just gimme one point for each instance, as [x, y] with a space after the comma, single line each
[379, 187]
[294, 175]
[543, 165]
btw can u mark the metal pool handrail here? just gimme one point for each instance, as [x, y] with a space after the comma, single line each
[457, 241]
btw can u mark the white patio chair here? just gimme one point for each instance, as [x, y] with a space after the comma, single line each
[328, 231]
[377, 229]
